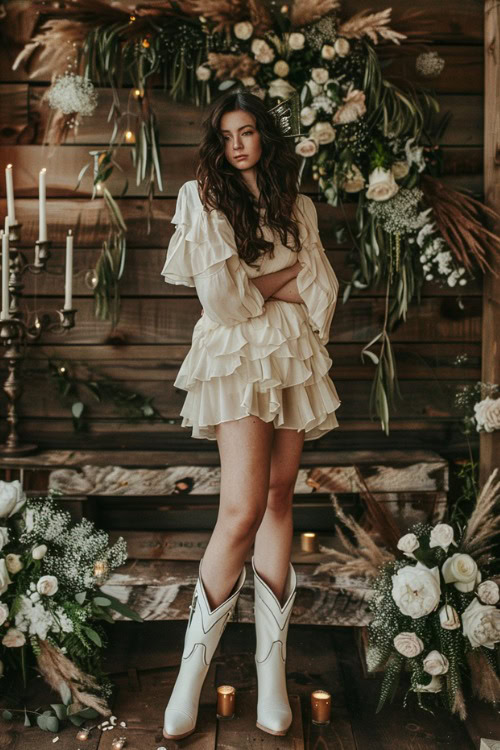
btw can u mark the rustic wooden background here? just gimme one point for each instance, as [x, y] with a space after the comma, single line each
[146, 349]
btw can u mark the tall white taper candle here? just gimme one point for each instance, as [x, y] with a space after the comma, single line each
[10, 194]
[68, 284]
[42, 208]
[5, 276]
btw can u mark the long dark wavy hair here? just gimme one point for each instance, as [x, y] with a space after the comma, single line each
[222, 187]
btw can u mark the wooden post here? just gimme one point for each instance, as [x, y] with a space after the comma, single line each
[490, 442]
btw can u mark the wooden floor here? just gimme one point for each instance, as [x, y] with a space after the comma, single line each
[143, 661]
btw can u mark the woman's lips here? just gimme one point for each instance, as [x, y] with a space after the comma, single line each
[244, 156]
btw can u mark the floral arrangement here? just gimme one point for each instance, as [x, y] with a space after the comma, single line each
[365, 139]
[434, 604]
[50, 604]
[480, 406]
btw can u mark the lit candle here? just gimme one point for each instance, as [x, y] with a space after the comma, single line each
[226, 695]
[42, 208]
[10, 194]
[83, 734]
[5, 275]
[308, 542]
[68, 285]
[320, 707]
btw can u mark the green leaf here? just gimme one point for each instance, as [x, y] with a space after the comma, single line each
[65, 692]
[52, 723]
[60, 710]
[124, 610]
[88, 713]
[77, 720]
[77, 409]
[91, 633]
[226, 84]
[102, 601]
[6, 715]
[42, 722]
[27, 722]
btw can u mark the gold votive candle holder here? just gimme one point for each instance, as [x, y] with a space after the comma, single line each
[83, 734]
[308, 542]
[118, 743]
[321, 704]
[226, 700]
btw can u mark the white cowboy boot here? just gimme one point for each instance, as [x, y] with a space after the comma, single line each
[274, 714]
[203, 633]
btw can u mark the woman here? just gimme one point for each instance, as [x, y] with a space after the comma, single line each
[256, 378]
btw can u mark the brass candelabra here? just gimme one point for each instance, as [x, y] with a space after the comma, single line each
[15, 333]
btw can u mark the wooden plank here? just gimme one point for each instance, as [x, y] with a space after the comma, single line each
[463, 72]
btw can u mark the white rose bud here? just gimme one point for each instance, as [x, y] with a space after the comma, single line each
[14, 638]
[243, 30]
[407, 544]
[462, 571]
[448, 617]
[39, 552]
[436, 663]
[4, 613]
[488, 592]
[342, 47]
[4, 536]
[47, 585]
[442, 536]
[328, 52]
[306, 148]
[281, 68]
[203, 73]
[307, 116]
[14, 563]
[319, 75]
[296, 40]
[408, 644]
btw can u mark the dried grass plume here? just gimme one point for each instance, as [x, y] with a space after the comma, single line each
[369, 24]
[484, 522]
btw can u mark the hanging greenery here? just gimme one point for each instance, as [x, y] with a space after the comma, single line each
[367, 140]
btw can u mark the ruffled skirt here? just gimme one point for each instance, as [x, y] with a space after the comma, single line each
[272, 366]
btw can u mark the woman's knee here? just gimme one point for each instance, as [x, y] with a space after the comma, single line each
[241, 521]
[280, 497]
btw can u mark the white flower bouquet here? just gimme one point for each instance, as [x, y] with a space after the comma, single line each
[435, 614]
[51, 606]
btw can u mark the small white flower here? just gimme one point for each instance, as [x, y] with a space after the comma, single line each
[342, 46]
[39, 551]
[328, 52]
[47, 585]
[408, 644]
[319, 75]
[307, 116]
[448, 617]
[488, 592]
[436, 663]
[73, 94]
[442, 536]
[296, 40]
[354, 181]
[462, 571]
[243, 30]
[281, 68]
[203, 73]
[407, 544]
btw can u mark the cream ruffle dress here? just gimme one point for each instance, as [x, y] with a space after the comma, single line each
[250, 355]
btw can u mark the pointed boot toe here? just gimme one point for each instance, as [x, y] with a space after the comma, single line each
[275, 721]
[177, 724]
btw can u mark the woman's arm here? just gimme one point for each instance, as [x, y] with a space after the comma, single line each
[269, 283]
[289, 292]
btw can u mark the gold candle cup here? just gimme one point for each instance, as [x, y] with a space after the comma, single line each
[308, 542]
[321, 703]
[82, 734]
[226, 698]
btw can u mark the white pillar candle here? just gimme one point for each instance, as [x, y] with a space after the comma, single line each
[6, 224]
[5, 276]
[10, 194]
[42, 208]
[68, 284]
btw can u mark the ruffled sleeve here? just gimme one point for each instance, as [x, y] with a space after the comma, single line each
[316, 281]
[202, 253]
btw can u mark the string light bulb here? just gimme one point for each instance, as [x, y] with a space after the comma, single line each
[129, 136]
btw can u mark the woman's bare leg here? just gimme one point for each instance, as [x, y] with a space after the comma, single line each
[273, 542]
[245, 453]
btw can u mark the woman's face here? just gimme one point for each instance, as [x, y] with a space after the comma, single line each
[241, 138]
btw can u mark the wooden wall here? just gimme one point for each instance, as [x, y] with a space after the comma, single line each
[153, 336]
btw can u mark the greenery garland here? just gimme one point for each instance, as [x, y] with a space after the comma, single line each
[368, 140]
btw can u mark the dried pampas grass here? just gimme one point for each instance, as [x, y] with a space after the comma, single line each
[57, 668]
[232, 66]
[484, 522]
[304, 12]
[362, 559]
[459, 218]
[459, 704]
[369, 24]
[484, 680]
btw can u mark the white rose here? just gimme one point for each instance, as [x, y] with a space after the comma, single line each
[306, 148]
[248, 81]
[39, 551]
[47, 585]
[436, 663]
[4, 577]
[280, 88]
[481, 624]
[4, 536]
[434, 686]
[296, 40]
[487, 414]
[281, 68]
[14, 563]
[416, 590]
[407, 544]
[353, 107]
[448, 617]
[442, 536]
[408, 644]
[262, 51]
[319, 75]
[243, 30]
[342, 46]
[328, 52]
[13, 638]
[354, 181]
[488, 592]
[307, 116]
[462, 571]
[203, 73]
[322, 132]
[400, 169]
[382, 185]
[4, 613]
[12, 498]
